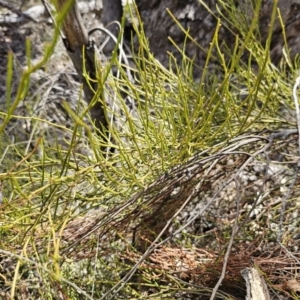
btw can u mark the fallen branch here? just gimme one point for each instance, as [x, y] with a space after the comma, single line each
[256, 286]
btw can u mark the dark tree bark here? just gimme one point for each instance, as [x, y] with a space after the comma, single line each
[112, 11]
[290, 11]
[193, 16]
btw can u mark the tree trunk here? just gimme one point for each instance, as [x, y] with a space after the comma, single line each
[160, 28]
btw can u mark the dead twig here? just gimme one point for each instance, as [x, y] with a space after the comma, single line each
[83, 54]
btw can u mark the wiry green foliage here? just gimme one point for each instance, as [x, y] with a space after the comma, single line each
[47, 188]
